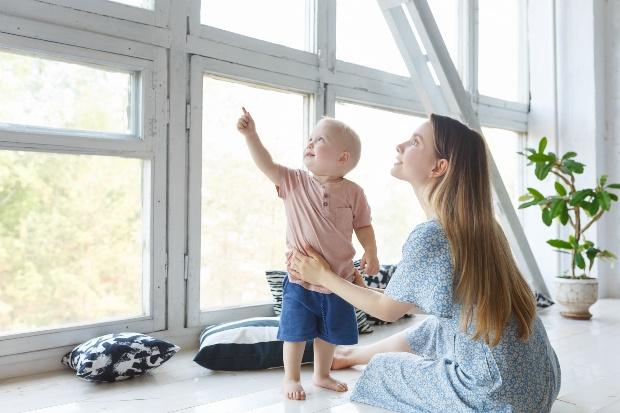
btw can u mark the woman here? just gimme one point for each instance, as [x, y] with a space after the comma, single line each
[483, 348]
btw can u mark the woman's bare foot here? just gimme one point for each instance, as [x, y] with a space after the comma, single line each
[330, 383]
[293, 390]
[342, 358]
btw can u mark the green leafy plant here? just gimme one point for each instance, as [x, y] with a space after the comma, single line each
[578, 207]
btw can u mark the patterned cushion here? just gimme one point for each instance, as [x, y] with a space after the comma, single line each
[116, 357]
[542, 301]
[275, 280]
[249, 344]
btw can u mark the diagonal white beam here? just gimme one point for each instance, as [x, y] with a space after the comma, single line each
[450, 98]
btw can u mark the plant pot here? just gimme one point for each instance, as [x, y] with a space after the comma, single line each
[576, 295]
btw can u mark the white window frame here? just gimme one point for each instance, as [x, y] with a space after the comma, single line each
[99, 31]
[148, 144]
[238, 57]
[93, 16]
[156, 17]
[199, 67]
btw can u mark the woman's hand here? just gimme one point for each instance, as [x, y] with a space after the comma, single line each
[311, 268]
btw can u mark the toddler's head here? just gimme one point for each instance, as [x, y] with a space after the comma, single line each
[333, 149]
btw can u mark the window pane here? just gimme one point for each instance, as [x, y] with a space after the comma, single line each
[446, 14]
[49, 93]
[43, 92]
[357, 44]
[499, 63]
[243, 220]
[278, 21]
[504, 145]
[143, 4]
[376, 48]
[70, 240]
[395, 209]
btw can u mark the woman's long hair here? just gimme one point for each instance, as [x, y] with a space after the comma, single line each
[487, 284]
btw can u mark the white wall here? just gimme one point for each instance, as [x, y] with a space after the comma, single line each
[610, 277]
[576, 103]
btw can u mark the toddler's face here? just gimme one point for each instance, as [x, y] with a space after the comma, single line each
[324, 153]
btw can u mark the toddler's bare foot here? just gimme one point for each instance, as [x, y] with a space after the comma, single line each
[330, 383]
[293, 390]
[342, 359]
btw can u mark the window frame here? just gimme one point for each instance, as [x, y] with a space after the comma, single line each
[239, 57]
[199, 67]
[171, 42]
[158, 16]
[150, 147]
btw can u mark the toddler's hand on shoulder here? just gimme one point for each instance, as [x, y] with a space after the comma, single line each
[245, 124]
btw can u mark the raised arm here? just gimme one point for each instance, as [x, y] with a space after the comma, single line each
[260, 155]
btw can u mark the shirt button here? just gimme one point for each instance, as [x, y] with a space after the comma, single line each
[324, 203]
[324, 195]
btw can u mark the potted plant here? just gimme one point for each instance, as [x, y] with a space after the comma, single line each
[579, 208]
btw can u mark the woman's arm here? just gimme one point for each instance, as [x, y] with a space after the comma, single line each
[314, 269]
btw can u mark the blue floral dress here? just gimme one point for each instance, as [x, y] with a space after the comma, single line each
[455, 373]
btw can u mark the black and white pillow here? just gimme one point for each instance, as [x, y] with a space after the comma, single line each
[542, 301]
[275, 280]
[379, 280]
[116, 357]
[249, 344]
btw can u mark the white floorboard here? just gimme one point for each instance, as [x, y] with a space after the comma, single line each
[588, 353]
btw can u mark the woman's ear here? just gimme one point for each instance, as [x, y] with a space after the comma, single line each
[441, 167]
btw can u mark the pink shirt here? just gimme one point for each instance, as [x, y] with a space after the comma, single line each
[322, 216]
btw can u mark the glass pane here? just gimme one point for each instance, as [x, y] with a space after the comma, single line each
[499, 40]
[70, 240]
[143, 4]
[446, 14]
[355, 43]
[243, 220]
[395, 209]
[278, 21]
[376, 48]
[42, 92]
[504, 145]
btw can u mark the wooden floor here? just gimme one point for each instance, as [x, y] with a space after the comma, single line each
[589, 353]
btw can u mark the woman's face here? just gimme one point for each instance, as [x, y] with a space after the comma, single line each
[416, 157]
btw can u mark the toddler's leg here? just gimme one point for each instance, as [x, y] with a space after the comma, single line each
[293, 353]
[323, 355]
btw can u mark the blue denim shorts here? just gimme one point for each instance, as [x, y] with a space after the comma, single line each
[307, 314]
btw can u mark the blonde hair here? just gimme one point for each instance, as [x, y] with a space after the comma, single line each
[351, 140]
[488, 284]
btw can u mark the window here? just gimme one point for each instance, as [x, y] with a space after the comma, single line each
[395, 210]
[278, 21]
[446, 14]
[49, 93]
[71, 240]
[243, 221]
[364, 37]
[143, 4]
[500, 41]
[82, 193]
[504, 145]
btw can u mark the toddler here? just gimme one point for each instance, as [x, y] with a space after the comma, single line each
[322, 209]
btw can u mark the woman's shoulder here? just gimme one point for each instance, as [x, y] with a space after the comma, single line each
[427, 231]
